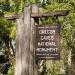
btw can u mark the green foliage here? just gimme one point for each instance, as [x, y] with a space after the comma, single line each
[13, 31]
[4, 27]
[11, 70]
[12, 6]
[8, 28]
[57, 6]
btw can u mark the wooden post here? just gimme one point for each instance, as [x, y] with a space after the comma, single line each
[35, 21]
[18, 67]
[23, 43]
[25, 59]
[31, 68]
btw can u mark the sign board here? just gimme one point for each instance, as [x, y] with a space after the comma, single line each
[47, 42]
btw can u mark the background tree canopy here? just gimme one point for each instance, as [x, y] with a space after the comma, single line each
[8, 28]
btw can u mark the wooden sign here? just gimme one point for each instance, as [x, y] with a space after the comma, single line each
[47, 42]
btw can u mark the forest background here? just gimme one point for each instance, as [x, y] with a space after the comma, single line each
[8, 33]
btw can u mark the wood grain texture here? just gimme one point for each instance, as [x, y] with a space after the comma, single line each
[23, 43]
